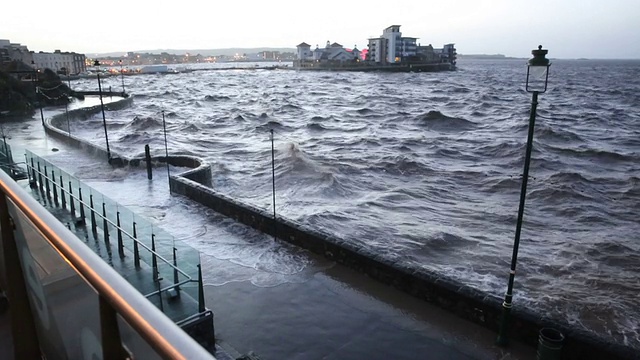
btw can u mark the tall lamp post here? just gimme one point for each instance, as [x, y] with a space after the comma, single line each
[104, 120]
[121, 76]
[537, 77]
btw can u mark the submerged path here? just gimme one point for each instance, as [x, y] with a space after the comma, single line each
[271, 297]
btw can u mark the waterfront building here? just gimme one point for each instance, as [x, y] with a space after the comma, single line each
[391, 47]
[70, 62]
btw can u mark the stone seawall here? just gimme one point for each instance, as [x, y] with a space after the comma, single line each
[464, 301]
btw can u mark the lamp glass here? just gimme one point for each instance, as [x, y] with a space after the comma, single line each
[537, 78]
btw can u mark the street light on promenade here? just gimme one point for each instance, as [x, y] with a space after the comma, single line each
[121, 76]
[104, 120]
[35, 88]
[537, 77]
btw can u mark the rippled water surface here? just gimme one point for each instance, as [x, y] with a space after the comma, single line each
[426, 168]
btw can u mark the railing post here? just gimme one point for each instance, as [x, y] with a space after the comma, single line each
[175, 268]
[55, 187]
[23, 330]
[26, 162]
[40, 178]
[136, 252]
[33, 176]
[72, 202]
[93, 214]
[64, 201]
[201, 307]
[105, 224]
[154, 261]
[110, 339]
[81, 205]
[46, 182]
[160, 295]
[120, 245]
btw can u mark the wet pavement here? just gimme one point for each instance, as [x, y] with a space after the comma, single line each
[270, 297]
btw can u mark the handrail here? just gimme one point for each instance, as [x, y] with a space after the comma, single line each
[165, 337]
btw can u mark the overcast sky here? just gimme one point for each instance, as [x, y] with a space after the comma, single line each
[568, 28]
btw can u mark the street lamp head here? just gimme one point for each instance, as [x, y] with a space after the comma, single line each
[538, 71]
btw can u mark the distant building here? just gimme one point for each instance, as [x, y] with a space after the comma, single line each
[391, 47]
[14, 52]
[70, 62]
[332, 53]
[389, 52]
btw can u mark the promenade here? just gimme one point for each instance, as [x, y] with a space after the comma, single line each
[268, 296]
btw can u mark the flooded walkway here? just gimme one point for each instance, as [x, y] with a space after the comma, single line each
[272, 298]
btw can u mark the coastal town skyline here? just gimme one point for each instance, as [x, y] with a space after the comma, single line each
[571, 29]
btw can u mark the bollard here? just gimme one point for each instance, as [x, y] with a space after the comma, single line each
[55, 190]
[136, 252]
[549, 344]
[147, 157]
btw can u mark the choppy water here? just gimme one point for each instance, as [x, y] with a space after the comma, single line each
[426, 168]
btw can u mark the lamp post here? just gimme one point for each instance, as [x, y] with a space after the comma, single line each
[36, 89]
[104, 120]
[537, 76]
[121, 76]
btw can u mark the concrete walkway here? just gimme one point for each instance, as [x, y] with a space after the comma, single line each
[270, 297]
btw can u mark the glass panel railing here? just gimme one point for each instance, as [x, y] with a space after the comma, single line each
[57, 294]
[140, 251]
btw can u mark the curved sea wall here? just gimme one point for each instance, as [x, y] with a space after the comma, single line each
[54, 127]
[462, 300]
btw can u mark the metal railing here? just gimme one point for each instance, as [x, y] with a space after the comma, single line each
[149, 244]
[66, 302]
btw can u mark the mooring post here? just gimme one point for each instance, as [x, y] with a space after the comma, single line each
[154, 261]
[105, 224]
[55, 187]
[147, 157]
[136, 252]
[64, 201]
[120, 246]
[93, 214]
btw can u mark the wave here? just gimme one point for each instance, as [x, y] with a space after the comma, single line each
[438, 121]
[214, 98]
[143, 123]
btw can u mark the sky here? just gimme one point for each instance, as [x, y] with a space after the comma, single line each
[568, 28]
